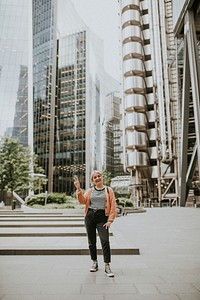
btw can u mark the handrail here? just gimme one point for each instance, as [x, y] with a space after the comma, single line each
[18, 198]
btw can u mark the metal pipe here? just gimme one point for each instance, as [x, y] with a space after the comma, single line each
[165, 75]
[53, 95]
[159, 75]
[30, 90]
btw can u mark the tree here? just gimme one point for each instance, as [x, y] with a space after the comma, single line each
[38, 179]
[106, 177]
[15, 174]
[14, 166]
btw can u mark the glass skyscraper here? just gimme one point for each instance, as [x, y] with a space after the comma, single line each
[52, 76]
[70, 122]
[67, 94]
[14, 41]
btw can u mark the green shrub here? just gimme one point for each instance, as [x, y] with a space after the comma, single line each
[35, 199]
[128, 203]
[56, 198]
[124, 202]
[41, 199]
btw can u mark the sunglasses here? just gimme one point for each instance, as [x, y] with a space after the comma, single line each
[97, 176]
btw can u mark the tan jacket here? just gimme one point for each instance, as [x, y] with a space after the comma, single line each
[110, 203]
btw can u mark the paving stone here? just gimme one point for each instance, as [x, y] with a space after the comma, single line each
[176, 288]
[142, 297]
[147, 288]
[109, 288]
[31, 297]
[189, 296]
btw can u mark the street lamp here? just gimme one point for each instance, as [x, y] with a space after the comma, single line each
[39, 175]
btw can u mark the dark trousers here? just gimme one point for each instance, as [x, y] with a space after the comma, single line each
[95, 221]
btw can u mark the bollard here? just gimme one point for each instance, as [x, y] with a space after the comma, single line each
[150, 202]
[45, 199]
[194, 202]
[13, 204]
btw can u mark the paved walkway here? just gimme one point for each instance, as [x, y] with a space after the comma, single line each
[168, 267]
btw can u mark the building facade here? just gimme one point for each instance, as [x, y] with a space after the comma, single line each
[186, 23]
[69, 90]
[112, 137]
[148, 106]
[53, 87]
[14, 27]
[160, 56]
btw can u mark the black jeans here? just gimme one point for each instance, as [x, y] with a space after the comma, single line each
[95, 221]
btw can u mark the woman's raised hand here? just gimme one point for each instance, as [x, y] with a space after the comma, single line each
[77, 183]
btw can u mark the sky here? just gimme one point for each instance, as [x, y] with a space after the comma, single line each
[101, 16]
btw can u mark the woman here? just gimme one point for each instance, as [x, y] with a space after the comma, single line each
[100, 212]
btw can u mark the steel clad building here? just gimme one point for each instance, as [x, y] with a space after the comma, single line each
[155, 113]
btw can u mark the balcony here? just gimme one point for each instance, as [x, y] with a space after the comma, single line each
[133, 3]
[131, 33]
[131, 15]
[145, 19]
[151, 98]
[153, 153]
[134, 102]
[151, 116]
[136, 159]
[146, 34]
[148, 65]
[133, 66]
[153, 171]
[134, 83]
[149, 82]
[147, 49]
[135, 120]
[132, 49]
[152, 133]
[135, 139]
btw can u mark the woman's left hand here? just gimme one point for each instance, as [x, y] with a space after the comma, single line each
[107, 225]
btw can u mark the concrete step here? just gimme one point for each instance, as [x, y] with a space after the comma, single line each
[58, 246]
[43, 231]
[9, 211]
[40, 224]
[44, 234]
[85, 251]
[43, 219]
[51, 233]
[45, 214]
[50, 212]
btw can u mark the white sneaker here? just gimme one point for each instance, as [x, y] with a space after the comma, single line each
[94, 266]
[108, 271]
